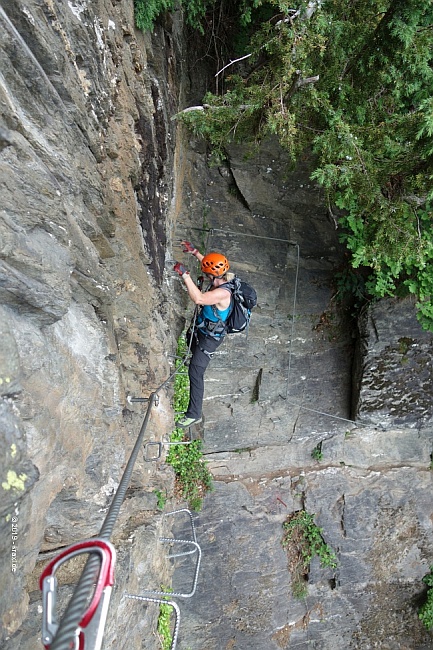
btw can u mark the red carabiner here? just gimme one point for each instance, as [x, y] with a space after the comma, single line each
[90, 629]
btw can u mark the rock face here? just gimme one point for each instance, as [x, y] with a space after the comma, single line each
[98, 189]
[86, 155]
[303, 413]
[394, 373]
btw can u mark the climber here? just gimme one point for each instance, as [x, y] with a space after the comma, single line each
[209, 330]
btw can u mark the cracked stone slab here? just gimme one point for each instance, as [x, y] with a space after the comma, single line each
[393, 367]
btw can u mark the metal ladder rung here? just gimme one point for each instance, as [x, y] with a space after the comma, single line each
[160, 445]
[194, 536]
[197, 568]
[196, 549]
[162, 601]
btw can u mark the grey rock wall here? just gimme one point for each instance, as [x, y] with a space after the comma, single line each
[97, 190]
[86, 169]
[393, 375]
[304, 379]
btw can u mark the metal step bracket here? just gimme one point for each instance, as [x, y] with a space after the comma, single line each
[195, 549]
[165, 442]
[162, 601]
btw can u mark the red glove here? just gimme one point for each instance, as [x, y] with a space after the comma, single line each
[179, 268]
[188, 247]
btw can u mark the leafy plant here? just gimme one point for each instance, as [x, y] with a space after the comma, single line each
[147, 11]
[193, 478]
[181, 381]
[163, 626]
[350, 286]
[303, 540]
[192, 475]
[317, 453]
[426, 611]
[161, 499]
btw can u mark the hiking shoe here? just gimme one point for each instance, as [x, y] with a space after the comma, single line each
[187, 422]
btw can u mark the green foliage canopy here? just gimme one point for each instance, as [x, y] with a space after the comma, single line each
[146, 12]
[353, 81]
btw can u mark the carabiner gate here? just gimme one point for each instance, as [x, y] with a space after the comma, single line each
[90, 630]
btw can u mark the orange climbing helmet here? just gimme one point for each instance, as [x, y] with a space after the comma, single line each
[215, 264]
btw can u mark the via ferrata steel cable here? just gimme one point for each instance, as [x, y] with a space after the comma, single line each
[77, 605]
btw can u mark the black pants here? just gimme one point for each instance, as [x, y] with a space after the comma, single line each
[197, 366]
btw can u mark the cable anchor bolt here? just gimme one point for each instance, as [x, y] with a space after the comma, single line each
[142, 399]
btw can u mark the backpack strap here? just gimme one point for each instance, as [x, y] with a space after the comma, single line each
[220, 322]
[216, 329]
[228, 286]
[216, 314]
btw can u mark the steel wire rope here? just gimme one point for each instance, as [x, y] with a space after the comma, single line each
[292, 331]
[244, 234]
[12, 31]
[285, 396]
[76, 607]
